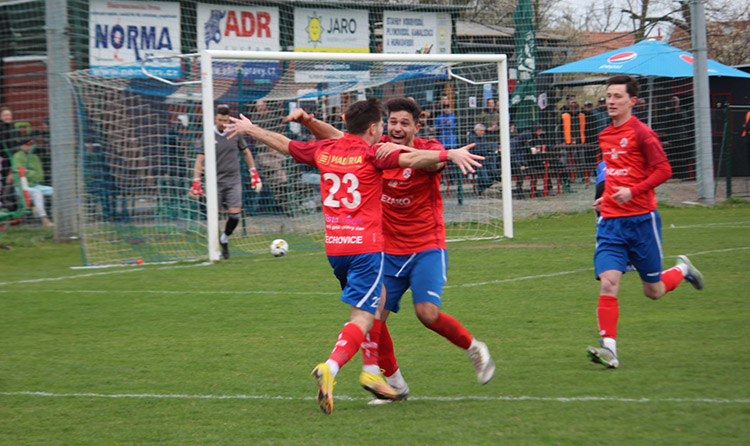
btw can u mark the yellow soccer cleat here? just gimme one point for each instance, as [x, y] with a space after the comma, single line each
[378, 386]
[324, 377]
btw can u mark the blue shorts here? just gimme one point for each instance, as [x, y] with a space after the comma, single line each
[424, 272]
[635, 240]
[361, 278]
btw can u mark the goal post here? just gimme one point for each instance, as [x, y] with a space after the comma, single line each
[138, 138]
[209, 57]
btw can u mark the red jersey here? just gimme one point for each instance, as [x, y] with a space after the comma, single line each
[350, 184]
[413, 207]
[630, 151]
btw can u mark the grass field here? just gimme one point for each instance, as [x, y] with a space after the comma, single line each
[221, 354]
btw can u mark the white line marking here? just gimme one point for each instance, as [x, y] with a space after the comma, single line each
[301, 293]
[78, 276]
[349, 398]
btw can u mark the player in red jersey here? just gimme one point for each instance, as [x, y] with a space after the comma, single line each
[416, 255]
[351, 188]
[629, 228]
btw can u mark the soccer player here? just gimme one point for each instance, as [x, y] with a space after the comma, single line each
[228, 176]
[415, 250]
[351, 189]
[629, 227]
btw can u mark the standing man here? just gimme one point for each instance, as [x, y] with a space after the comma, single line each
[629, 228]
[351, 189]
[228, 175]
[415, 250]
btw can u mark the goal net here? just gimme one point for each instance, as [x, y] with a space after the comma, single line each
[139, 137]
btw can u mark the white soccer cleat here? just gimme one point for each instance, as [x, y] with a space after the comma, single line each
[480, 357]
[603, 356]
[694, 276]
[402, 393]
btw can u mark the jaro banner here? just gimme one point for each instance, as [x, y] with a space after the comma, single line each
[333, 30]
[240, 28]
[416, 32]
[123, 33]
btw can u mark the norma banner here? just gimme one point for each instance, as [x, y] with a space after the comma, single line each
[123, 33]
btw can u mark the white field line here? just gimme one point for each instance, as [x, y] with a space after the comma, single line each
[465, 285]
[349, 398]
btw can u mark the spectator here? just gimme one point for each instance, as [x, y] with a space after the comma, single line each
[490, 117]
[673, 126]
[490, 171]
[9, 141]
[445, 124]
[569, 100]
[601, 115]
[519, 147]
[26, 160]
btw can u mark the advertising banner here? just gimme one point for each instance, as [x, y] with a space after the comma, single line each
[416, 32]
[123, 33]
[332, 30]
[240, 28]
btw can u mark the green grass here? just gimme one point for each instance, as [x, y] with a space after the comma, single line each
[139, 355]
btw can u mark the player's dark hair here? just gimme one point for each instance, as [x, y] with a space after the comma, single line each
[404, 104]
[222, 109]
[362, 114]
[631, 85]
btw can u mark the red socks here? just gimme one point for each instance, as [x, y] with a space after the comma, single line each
[349, 341]
[452, 330]
[672, 277]
[370, 345]
[386, 355]
[607, 314]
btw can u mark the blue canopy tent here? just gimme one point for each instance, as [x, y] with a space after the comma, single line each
[652, 58]
[646, 58]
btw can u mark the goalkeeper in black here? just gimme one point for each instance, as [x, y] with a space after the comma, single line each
[228, 175]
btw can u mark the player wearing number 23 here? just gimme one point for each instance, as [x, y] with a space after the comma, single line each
[351, 189]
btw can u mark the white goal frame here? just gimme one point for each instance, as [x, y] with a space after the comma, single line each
[208, 56]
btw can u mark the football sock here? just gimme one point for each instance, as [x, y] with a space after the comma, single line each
[611, 344]
[348, 343]
[673, 276]
[607, 314]
[223, 238]
[386, 354]
[232, 223]
[396, 380]
[452, 330]
[370, 348]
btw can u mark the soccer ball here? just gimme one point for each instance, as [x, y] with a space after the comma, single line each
[279, 247]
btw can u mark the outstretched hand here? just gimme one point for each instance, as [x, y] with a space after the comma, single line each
[298, 115]
[238, 126]
[465, 160]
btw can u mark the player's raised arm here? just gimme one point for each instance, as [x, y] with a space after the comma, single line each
[243, 126]
[421, 159]
[321, 130]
